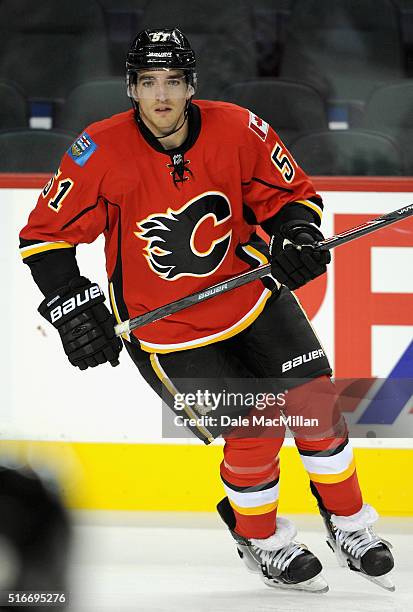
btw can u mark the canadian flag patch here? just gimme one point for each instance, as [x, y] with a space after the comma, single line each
[259, 126]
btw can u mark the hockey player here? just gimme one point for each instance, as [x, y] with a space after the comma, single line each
[178, 187]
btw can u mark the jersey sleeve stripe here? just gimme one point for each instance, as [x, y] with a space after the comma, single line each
[334, 477]
[41, 247]
[313, 206]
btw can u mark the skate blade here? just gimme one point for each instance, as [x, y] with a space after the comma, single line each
[382, 581]
[318, 584]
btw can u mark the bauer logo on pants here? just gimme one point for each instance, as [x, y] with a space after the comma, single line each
[300, 359]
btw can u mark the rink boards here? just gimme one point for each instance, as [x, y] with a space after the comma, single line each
[101, 430]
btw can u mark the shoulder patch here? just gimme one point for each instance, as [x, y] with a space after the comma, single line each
[257, 125]
[82, 149]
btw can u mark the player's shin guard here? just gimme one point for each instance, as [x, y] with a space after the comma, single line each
[281, 562]
[356, 545]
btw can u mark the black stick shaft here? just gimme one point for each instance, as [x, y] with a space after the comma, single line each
[246, 277]
[367, 228]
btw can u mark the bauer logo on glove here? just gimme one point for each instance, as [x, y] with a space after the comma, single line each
[77, 300]
[85, 325]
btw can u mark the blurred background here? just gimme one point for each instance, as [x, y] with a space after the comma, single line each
[334, 78]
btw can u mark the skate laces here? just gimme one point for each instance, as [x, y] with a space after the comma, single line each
[280, 558]
[357, 542]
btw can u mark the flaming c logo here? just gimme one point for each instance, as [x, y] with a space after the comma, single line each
[171, 249]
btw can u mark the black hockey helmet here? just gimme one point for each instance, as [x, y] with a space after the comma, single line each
[161, 48]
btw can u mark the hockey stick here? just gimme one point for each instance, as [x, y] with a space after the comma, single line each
[246, 277]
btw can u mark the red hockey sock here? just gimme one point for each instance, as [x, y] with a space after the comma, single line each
[324, 448]
[250, 474]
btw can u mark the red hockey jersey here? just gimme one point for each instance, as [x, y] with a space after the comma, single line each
[174, 222]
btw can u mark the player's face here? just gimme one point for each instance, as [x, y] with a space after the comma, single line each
[161, 95]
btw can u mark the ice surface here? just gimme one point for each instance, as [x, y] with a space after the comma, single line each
[188, 563]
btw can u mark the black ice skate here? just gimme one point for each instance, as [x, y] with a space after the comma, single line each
[281, 562]
[357, 546]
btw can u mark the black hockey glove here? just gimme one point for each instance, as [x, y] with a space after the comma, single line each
[85, 325]
[295, 265]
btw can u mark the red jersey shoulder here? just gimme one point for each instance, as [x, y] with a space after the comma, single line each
[107, 127]
[98, 141]
[229, 117]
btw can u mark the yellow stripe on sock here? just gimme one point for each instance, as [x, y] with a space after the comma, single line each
[257, 510]
[332, 478]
